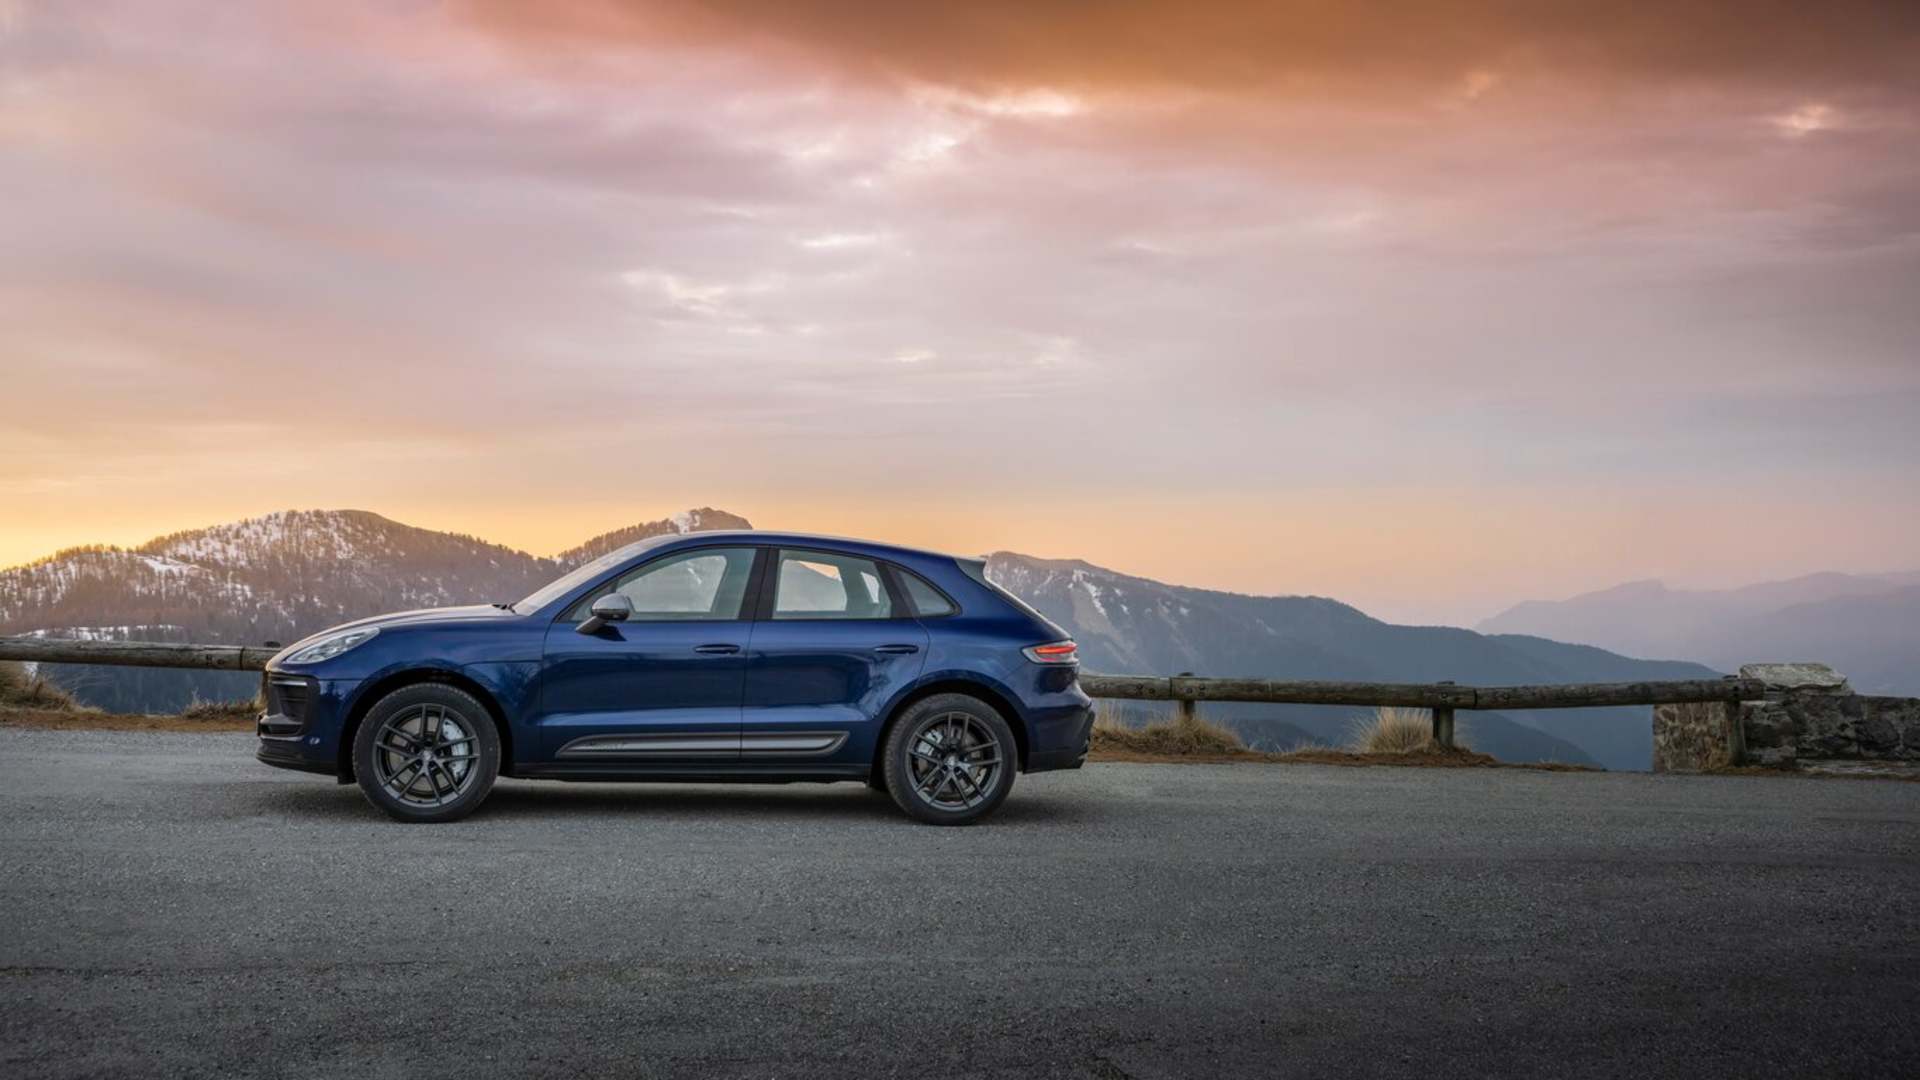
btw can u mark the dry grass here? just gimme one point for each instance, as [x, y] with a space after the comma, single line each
[21, 690]
[1396, 737]
[203, 712]
[1392, 730]
[35, 703]
[1173, 737]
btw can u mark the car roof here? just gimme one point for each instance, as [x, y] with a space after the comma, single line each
[873, 548]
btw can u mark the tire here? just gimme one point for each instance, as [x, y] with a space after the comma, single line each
[445, 783]
[950, 760]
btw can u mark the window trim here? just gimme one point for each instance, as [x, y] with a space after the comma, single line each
[745, 612]
[770, 586]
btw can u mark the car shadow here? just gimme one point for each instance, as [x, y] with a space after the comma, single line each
[517, 800]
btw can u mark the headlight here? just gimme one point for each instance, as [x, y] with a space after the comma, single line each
[329, 647]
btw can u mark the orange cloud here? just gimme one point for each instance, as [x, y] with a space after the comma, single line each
[1265, 44]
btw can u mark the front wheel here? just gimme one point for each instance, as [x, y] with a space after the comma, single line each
[427, 753]
[950, 760]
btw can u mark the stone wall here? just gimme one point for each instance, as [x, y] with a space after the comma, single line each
[1809, 713]
[1789, 727]
[1692, 738]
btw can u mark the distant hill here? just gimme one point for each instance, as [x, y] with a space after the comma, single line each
[1126, 623]
[1865, 625]
[289, 574]
[705, 519]
[274, 578]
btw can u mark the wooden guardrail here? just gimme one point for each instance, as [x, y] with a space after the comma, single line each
[1442, 698]
[136, 653]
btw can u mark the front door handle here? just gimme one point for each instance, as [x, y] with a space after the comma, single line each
[716, 650]
[897, 650]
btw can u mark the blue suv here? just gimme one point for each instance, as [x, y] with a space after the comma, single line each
[720, 656]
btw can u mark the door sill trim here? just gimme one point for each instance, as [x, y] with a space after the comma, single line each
[791, 743]
[665, 744]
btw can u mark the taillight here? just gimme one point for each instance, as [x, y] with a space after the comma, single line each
[1058, 652]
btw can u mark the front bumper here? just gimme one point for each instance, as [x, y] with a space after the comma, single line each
[279, 757]
[300, 727]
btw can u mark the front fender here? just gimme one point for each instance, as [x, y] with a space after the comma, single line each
[510, 686]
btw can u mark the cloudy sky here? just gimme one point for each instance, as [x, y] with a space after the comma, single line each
[1432, 311]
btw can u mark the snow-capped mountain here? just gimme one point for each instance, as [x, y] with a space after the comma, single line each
[278, 577]
[705, 519]
[274, 577]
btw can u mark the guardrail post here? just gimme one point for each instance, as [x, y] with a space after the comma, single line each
[1443, 723]
[1189, 708]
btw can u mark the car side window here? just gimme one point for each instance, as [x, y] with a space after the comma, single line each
[928, 602]
[702, 584]
[819, 585]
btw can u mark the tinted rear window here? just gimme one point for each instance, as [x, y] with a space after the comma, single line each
[977, 570]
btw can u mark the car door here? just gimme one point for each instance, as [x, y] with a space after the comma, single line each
[833, 644]
[664, 685]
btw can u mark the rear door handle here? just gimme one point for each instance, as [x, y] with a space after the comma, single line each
[716, 650]
[897, 650]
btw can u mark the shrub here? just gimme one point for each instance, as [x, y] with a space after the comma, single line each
[1172, 736]
[208, 711]
[1392, 730]
[21, 690]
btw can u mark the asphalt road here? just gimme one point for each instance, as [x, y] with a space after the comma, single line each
[170, 907]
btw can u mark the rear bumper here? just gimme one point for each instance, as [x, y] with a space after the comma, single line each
[1061, 739]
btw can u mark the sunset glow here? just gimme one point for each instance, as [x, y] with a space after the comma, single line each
[1430, 312]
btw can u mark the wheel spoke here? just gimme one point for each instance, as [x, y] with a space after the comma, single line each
[393, 779]
[936, 777]
[433, 777]
[960, 775]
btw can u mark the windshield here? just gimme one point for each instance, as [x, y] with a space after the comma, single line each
[584, 573]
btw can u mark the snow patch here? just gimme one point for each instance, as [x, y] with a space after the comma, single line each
[169, 567]
[99, 633]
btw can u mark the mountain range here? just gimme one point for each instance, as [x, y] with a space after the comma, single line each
[1866, 626]
[1133, 624]
[289, 574]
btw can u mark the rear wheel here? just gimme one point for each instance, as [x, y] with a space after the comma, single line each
[950, 760]
[427, 753]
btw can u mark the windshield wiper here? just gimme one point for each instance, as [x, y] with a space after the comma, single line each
[503, 607]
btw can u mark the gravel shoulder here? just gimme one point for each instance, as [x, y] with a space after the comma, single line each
[175, 907]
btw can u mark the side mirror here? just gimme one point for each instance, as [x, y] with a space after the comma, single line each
[613, 607]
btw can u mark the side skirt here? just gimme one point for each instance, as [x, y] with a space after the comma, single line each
[731, 772]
